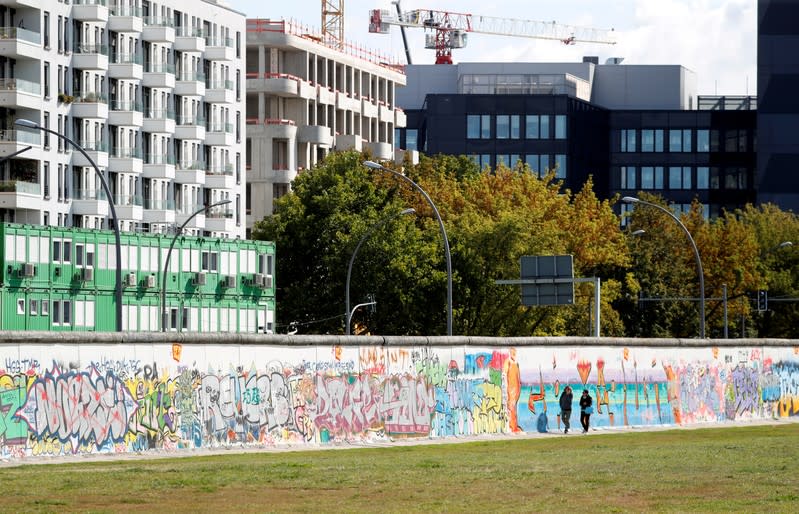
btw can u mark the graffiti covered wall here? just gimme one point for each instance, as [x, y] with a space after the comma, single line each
[93, 398]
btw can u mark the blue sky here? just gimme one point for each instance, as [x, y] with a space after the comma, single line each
[717, 39]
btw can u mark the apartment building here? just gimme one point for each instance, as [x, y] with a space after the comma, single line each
[153, 91]
[305, 99]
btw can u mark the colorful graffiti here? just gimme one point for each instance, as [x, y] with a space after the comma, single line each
[172, 397]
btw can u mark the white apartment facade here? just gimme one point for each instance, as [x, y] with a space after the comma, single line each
[152, 90]
[305, 99]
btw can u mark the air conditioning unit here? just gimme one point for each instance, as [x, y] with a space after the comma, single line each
[230, 281]
[130, 279]
[150, 280]
[87, 274]
[28, 270]
[258, 280]
[268, 282]
[199, 279]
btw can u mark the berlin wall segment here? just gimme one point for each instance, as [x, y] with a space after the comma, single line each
[71, 394]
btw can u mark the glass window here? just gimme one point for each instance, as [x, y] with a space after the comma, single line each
[544, 163]
[503, 159]
[715, 178]
[703, 140]
[515, 159]
[686, 177]
[628, 137]
[647, 140]
[503, 126]
[472, 126]
[45, 307]
[647, 177]
[675, 140]
[411, 139]
[675, 177]
[659, 140]
[544, 126]
[628, 177]
[34, 307]
[560, 165]
[56, 312]
[67, 312]
[532, 130]
[78, 255]
[702, 177]
[56, 251]
[560, 127]
[686, 140]
[485, 126]
[532, 162]
[21, 306]
[67, 257]
[515, 126]
[731, 141]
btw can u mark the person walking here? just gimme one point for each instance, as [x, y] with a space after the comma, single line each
[566, 398]
[586, 409]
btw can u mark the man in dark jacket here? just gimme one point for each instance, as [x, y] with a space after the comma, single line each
[566, 407]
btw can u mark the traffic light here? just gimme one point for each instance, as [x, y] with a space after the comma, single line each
[762, 300]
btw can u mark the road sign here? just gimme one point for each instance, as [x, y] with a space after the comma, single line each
[554, 280]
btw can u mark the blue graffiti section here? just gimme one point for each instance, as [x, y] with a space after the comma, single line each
[128, 405]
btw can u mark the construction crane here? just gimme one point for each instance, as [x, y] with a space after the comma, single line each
[449, 30]
[333, 23]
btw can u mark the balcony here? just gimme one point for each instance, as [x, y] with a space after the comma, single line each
[159, 75]
[90, 202]
[220, 92]
[18, 194]
[97, 151]
[126, 66]
[349, 142]
[20, 43]
[189, 127]
[382, 151]
[159, 121]
[129, 207]
[159, 166]
[400, 118]
[277, 84]
[316, 134]
[90, 105]
[14, 140]
[20, 93]
[325, 95]
[36, 4]
[158, 29]
[386, 114]
[90, 57]
[346, 102]
[221, 218]
[219, 49]
[220, 177]
[184, 212]
[124, 18]
[220, 134]
[279, 129]
[190, 84]
[125, 160]
[368, 109]
[190, 172]
[159, 211]
[189, 39]
[125, 114]
[90, 10]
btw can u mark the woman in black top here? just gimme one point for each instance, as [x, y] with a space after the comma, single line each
[586, 408]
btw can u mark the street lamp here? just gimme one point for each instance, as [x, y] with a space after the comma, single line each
[375, 166]
[352, 258]
[632, 199]
[169, 254]
[114, 219]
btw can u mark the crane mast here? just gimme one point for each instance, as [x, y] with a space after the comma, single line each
[449, 29]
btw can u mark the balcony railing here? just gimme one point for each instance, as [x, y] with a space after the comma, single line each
[219, 41]
[224, 169]
[190, 120]
[94, 146]
[128, 200]
[158, 21]
[119, 58]
[125, 10]
[20, 85]
[189, 32]
[191, 165]
[188, 76]
[160, 68]
[126, 105]
[20, 186]
[20, 33]
[122, 152]
[86, 49]
[159, 205]
[220, 127]
[20, 136]
[91, 97]
[89, 194]
[157, 158]
[89, 2]
[219, 84]
[219, 212]
[159, 114]
[188, 209]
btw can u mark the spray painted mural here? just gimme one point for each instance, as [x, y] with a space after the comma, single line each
[58, 400]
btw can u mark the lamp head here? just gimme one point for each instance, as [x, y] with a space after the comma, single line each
[785, 244]
[630, 199]
[26, 123]
[373, 165]
[410, 210]
[638, 232]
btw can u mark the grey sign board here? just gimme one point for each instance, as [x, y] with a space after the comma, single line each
[552, 280]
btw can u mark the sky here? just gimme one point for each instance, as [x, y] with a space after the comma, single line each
[716, 39]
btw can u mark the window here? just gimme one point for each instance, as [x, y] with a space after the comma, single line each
[560, 127]
[703, 140]
[56, 251]
[45, 308]
[628, 137]
[507, 126]
[46, 76]
[537, 126]
[702, 177]
[46, 31]
[34, 307]
[46, 135]
[735, 140]
[652, 140]
[67, 257]
[478, 126]
[652, 177]
[560, 166]
[210, 261]
[680, 140]
[482, 160]
[79, 255]
[21, 307]
[411, 139]
[679, 177]
[507, 160]
[627, 176]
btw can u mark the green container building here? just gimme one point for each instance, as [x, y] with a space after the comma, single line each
[63, 279]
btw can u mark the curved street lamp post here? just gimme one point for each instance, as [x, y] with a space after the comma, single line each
[375, 166]
[634, 200]
[169, 255]
[33, 125]
[354, 253]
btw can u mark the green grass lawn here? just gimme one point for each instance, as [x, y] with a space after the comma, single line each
[743, 469]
